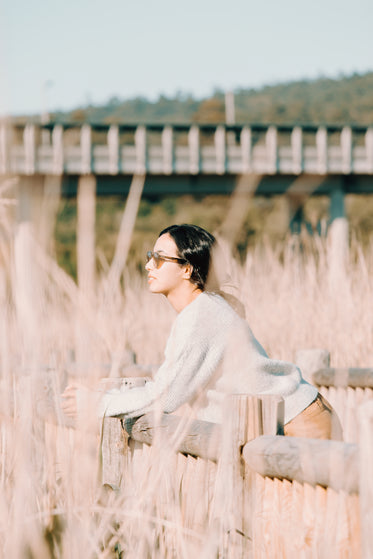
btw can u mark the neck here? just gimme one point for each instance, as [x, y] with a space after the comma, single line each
[184, 297]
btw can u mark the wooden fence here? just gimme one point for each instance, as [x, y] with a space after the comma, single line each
[255, 493]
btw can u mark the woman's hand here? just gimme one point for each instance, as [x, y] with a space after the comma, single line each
[79, 402]
[69, 403]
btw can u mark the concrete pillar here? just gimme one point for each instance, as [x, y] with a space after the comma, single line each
[51, 196]
[295, 204]
[25, 284]
[86, 198]
[38, 199]
[338, 231]
[86, 209]
[337, 204]
[296, 220]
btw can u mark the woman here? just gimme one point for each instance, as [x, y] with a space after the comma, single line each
[211, 351]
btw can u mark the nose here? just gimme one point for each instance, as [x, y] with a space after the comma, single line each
[148, 265]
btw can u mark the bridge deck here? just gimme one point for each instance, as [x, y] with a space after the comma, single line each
[185, 150]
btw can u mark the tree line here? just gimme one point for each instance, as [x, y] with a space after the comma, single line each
[347, 99]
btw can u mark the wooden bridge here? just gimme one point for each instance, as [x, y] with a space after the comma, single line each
[165, 150]
[298, 161]
[88, 160]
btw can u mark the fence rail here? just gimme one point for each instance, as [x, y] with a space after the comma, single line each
[185, 149]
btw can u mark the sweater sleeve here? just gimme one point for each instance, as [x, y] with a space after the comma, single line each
[192, 355]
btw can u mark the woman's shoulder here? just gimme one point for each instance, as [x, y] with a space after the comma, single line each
[209, 310]
[224, 303]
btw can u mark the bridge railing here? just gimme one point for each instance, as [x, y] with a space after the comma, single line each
[184, 149]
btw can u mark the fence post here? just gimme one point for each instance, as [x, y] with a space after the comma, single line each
[246, 417]
[114, 448]
[365, 419]
[311, 360]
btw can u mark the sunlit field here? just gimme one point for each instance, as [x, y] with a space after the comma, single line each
[52, 503]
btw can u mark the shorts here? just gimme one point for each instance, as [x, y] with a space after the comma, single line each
[317, 421]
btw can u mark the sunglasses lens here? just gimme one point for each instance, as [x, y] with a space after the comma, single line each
[156, 258]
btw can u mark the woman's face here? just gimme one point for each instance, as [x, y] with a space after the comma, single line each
[170, 275]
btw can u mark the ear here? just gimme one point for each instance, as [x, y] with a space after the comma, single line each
[188, 271]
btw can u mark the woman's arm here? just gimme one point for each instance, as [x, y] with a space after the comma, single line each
[193, 352]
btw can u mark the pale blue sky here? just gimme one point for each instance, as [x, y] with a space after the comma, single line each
[91, 50]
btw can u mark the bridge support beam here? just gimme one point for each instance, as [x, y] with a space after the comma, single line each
[86, 263]
[30, 233]
[86, 209]
[296, 214]
[338, 230]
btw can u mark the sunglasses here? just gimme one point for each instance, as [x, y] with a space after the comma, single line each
[158, 259]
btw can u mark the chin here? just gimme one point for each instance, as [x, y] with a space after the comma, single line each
[153, 288]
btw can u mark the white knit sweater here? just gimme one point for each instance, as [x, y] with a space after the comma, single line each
[211, 352]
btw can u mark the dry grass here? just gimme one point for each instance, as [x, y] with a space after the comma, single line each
[51, 502]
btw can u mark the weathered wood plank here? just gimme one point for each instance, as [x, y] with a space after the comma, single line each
[114, 446]
[310, 461]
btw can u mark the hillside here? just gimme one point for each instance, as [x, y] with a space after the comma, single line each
[348, 99]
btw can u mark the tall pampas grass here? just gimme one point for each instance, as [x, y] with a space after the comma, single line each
[52, 503]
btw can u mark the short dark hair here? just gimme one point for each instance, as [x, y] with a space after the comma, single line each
[194, 245]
